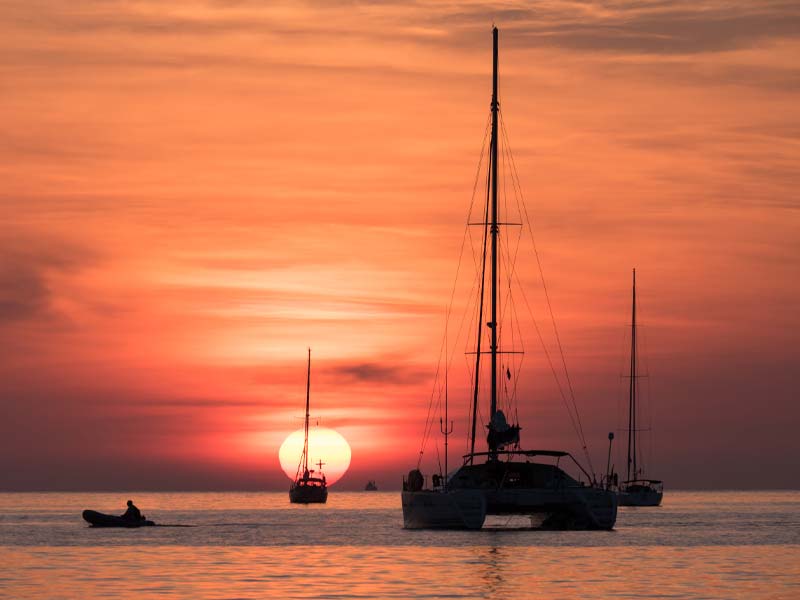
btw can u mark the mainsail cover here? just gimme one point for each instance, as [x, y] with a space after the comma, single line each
[501, 433]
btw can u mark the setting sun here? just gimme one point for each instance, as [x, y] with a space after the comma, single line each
[324, 445]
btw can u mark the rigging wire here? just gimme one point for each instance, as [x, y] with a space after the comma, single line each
[439, 459]
[577, 419]
[644, 356]
[428, 420]
[507, 258]
[623, 407]
[479, 326]
[510, 259]
[620, 394]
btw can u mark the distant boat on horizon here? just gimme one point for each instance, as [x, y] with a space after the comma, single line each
[636, 490]
[371, 486]
[308, 487]
[504, 480]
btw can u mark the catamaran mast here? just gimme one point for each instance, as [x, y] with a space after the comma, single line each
[308, 394]
[494, 231]
[632, 392]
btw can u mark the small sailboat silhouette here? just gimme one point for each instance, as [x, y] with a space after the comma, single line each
[309, 487]
[636, 490]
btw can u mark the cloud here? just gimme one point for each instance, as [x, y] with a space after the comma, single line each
[373, 372]
[27, 266]
[639, 27]
[634, 27]
[23, 292]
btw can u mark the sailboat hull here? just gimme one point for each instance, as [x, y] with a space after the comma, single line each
[638, 499]
[308, 494]
[641, 494]
[459, 509]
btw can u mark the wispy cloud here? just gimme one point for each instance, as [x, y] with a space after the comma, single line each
[381, 373]
[28, 266]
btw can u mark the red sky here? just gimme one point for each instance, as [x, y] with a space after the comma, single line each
[193, 194]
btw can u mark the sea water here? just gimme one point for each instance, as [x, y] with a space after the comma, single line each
[257, 545]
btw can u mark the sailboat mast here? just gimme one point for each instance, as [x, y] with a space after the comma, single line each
[308, 395]
[632, 391]
[494, 232]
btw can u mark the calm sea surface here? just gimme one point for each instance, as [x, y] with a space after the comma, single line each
[255, 545]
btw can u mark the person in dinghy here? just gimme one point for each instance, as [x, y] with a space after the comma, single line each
[133, 514]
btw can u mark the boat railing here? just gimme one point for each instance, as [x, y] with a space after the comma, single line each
[437, 483]
[655, 484]
[529, 453]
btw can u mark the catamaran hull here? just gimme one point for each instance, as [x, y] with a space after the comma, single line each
[648, 498]
[461, 509]
[571, 508]
[538, 490]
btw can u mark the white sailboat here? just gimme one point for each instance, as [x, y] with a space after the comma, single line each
[504, 480]
[636, 490]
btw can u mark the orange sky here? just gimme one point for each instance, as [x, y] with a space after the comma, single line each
[193, 194]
